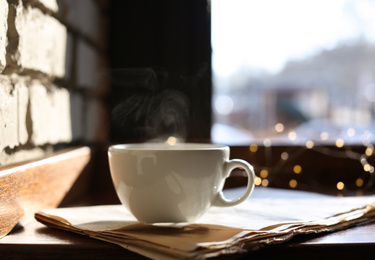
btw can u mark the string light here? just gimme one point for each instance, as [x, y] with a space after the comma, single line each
[340, 185]
[297, 169]
[368, 169]
[350, 132]
[292, 135]
[253, 148]
[309, 144]
[267, 142]
[359, 182]
[340, 143]
[279, 127]
[171, 140]
[369, 151]
[293, 183]
[257, 181]
[263, 173]
[284, 156]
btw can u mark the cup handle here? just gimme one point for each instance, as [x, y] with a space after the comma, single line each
[220, 200]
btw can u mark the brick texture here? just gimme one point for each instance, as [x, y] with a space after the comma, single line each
[23, 111]
[31, 111]
[37, 41]
[3, 32]
[50, 5]
[50, 114]
[8, 114]
[51, 88]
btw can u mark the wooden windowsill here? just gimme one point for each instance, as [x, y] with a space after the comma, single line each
[29, 186]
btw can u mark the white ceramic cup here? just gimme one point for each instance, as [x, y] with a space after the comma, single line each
[159, 182]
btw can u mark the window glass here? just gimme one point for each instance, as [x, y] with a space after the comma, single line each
[293, 71]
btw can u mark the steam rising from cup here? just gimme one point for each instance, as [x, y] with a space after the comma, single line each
[145, 110]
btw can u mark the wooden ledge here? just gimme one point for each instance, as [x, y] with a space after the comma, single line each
[33, 185]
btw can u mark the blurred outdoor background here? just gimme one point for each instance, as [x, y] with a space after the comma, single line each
[293, 71]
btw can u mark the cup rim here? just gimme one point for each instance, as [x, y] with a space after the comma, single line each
[166, 147]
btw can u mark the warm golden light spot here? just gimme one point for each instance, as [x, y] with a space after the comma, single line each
[292, 135]
[369, 151]
[324, 136]
[279, 127]
[350, 132]
[339, 143]
[265, 182]
[171, 140]
[340, 185]
[267, 142]
[359, 182]
[264, 173]
[293, 183]
[253, 148]
[309, 144]
[284, 156]
[367, 167]
[257, 181]
[297, 169]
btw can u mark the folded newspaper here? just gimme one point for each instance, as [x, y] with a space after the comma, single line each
[254, 224]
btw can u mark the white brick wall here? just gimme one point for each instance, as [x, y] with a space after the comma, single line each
[60, 129]
[47, 4]
[47, 105]
[37, 41]
[51, 90]
[50, 114]
[8, 114]
[3, 32]
[39, 103]
[23, 103]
